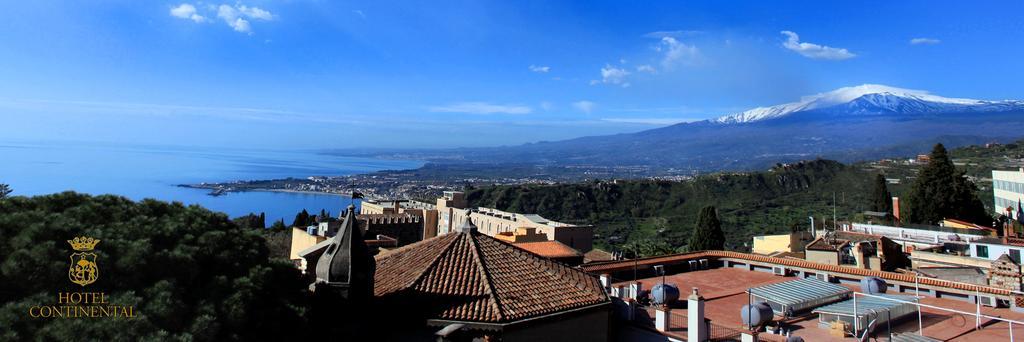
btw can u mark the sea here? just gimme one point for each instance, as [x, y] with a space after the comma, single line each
[148, 171]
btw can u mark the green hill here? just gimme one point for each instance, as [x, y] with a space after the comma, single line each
[659, 215]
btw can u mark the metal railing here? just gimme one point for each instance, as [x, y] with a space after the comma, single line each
[920, 327]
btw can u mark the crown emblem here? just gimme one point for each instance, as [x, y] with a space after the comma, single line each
[83, 243]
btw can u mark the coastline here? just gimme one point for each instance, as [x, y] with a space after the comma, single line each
[300, 192]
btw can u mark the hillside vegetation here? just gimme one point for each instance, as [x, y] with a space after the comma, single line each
[659, 216]
[648, 210]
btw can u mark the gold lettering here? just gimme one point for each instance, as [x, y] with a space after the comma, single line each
[73, 307]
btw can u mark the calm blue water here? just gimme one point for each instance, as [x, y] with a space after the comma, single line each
[139, 172]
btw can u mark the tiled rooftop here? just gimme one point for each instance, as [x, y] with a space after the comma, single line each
[468, 276]
[549, 249]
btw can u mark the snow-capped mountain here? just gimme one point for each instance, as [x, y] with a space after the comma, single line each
[870, 99]
[848, 124]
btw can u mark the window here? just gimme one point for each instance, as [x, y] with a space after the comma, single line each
[1015, 255]
[846, 256]
[981, 251]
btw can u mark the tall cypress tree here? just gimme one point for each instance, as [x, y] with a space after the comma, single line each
[707, 235]
[941, 191]
[881, 197]
[5, 190]
[301, 219]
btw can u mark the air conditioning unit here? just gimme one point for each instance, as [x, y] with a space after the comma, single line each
[703, 264]
[779, 271]
[822, 277]
[987, 301]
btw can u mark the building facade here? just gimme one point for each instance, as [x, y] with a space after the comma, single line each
[453, 210]
[1007, 190]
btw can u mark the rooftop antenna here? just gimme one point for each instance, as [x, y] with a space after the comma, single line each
[835, 224]
[813, 233]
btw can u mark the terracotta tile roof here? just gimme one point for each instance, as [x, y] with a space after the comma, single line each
[1008, 241]
[549, 249]
[840, 239]
[605, 267]
[820, 244]
[595, 255]
[970, 225]
[468, 276]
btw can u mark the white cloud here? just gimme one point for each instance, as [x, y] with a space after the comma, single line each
[584, 106]
[255, 13]
[360, 13]
[187, 11]
[546, 106]
[645, 68]
[238, 16]
[481, 108]
[814, 51]
[649, 121]
[540, 69]
[677, 52]
[613, 75]
[676, 33]
[924, 41]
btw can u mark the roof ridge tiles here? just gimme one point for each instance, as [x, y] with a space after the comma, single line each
[488, 280]
[433, 263]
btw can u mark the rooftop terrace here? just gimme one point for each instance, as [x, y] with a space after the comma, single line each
[724, 290]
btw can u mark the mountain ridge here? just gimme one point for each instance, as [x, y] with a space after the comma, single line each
[849, 124]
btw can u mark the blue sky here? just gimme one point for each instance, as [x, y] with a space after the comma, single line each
[333, 74]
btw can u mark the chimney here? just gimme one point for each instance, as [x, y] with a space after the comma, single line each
[697, 329]
[1008, 226]
[467, 226]
[896, 208]
[662, 318]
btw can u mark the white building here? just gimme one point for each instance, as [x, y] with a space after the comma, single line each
[992, 248]
[920, 236]
[1007, 189]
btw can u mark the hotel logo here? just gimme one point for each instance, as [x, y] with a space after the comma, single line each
[83, 270]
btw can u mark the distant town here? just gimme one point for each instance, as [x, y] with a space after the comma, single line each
[431, 180]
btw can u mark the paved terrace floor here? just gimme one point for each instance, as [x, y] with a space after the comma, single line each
[724, 290]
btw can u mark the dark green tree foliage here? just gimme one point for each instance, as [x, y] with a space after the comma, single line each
[5, 190]
[881, 197]
[941, 191]
[302, 219]
[191, 274]
[707, 234]
[251, 221]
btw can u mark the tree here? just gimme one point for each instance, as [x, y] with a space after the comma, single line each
[190, 273]
[301, 219]
[707, 235]
[5, 190]
[941, 191]
[251, 221]
[881, 197]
